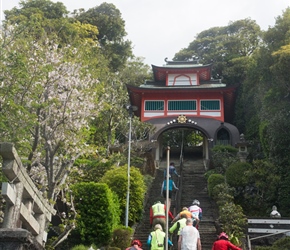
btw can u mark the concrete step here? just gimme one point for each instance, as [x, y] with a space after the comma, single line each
[194, 187]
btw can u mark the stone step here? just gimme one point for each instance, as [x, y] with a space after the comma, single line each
[194, 187]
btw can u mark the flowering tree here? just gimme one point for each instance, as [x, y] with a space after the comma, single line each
[47, 98]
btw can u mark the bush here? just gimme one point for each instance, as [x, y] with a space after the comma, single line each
[209, 173]
[235, 174]
[122, 237]
[281, 244]
[223, 194]
[233, 220]
[222, 157]
[117, 180]
[226, 149]
[213, 180]
[98, 213]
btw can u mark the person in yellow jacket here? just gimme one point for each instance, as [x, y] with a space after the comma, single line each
[157, 214]
[178, 225]
[156, 239]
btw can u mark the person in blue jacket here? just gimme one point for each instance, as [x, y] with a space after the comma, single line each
[171, 185]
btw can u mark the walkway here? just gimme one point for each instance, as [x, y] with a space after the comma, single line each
[194, 187]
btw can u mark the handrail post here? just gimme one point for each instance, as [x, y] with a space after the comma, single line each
[167, 196]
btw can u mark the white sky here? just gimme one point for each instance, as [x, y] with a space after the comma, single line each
[160, 28]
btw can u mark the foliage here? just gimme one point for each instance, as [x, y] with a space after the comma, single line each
[93, 168]
[176, 137]
[122, 237]
[209, 173]
[281, 244]
[117, 180]
[80, 247]
[48, 9]
[262, 187]
[98, 213]
[111, 35]
[148, 179]
[231, 216]
[213, 181]
[52, 132]
[229, 47]
[233, 220]
[225, 149]
[235, 174]
[136, 72]
[223, 194]
[223, 156]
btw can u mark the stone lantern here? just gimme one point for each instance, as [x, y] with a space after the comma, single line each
[242, 145]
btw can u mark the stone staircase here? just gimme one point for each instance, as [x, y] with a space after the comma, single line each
[143, 228]
[193, 187]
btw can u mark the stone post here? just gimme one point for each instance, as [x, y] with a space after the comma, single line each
[27, 213]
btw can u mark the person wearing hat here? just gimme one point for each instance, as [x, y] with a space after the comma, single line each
[196, 211]
[156, 239]
[135, 245]
[157, 214]
[171, 185]
[223, 243]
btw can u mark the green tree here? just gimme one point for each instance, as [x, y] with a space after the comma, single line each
[44, 84]
[228, 47]
[262, 188]
[117, 180]
[135, 72]
[223, 156]
[107, 18]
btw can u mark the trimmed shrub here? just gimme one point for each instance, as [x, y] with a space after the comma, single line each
[209, 173]
[225, 149]
[117, 180]
[121, 237]
[213, 180]
[98, 213]
[235, 174]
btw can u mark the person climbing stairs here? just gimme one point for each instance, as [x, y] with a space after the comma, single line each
[193, 185]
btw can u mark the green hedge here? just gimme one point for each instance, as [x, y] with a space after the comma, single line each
[213, 180]
[121, 237]
[98, 213]
[235, 174]
[117, 180]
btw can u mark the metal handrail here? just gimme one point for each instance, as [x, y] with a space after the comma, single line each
[179, 183]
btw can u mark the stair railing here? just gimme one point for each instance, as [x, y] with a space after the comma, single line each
[179, 182]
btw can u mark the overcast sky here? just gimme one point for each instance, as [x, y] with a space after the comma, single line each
[160, 28]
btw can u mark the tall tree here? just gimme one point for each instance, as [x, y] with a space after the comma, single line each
[48, 96]
[228, 47]
[107, 18]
